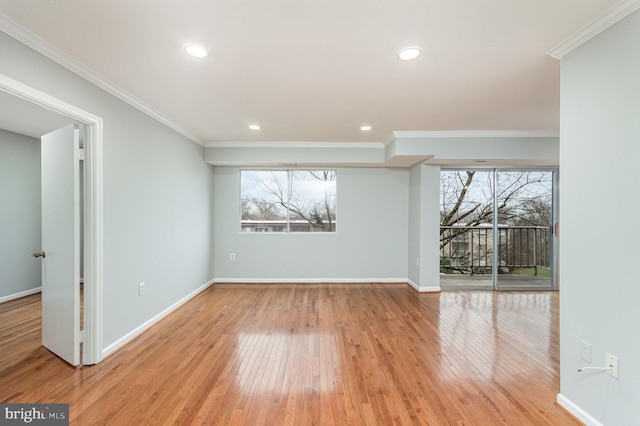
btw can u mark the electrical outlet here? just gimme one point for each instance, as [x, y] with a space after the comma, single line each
[614, 365]
[232, 256]
[585, 351]
[140, 289]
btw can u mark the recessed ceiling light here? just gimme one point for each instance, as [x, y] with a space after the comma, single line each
[365, 128]
[254, 127]
[195, 50]
[409, 53]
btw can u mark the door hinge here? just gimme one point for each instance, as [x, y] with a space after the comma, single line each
[80, 154]
[81, 336]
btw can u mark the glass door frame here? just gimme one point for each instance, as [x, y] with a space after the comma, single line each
[555, 175]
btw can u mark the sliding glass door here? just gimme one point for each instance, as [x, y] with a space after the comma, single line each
[496, 229]
[466, 229]
[524, 222]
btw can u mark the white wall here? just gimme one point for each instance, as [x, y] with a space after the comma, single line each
[599, 250]
[19, 214]
[430, 229]
[157, 196]
[424, 226]
[414, 241]
[370, 243]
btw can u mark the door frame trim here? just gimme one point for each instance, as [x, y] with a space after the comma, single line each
[93, 271]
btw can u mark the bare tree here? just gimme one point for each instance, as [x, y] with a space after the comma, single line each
[519, 196]
[319, 211]
[467, 201]
[289, 199]
[533, 212]
[254, 208]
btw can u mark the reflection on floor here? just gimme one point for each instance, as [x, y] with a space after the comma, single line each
[302, 354]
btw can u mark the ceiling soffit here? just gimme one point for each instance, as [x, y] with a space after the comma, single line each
[405, 149]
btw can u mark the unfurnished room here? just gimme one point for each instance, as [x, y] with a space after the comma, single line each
[319, 212]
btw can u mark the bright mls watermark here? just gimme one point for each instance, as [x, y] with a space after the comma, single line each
[34, 414]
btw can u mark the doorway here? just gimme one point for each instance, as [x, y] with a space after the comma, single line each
[496, 229]
[92, 338]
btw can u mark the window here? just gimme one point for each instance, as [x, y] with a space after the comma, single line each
[460, 249]
[288, 200]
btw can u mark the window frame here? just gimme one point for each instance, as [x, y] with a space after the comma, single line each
[291, 225]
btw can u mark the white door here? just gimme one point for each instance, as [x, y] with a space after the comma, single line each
[61, 243]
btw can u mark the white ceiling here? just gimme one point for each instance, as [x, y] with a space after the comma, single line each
[316, 70]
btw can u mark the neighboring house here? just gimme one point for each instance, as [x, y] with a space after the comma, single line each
[274, 225]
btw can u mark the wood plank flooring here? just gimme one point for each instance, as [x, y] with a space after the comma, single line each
[325, 354]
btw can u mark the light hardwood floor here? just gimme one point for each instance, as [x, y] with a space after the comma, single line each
[360, 354]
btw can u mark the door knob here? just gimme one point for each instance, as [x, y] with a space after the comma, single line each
[38, 254]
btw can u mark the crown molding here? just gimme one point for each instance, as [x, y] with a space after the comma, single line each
[323, 145]
[41, 46]
[476, 134]
[610, 17]
[391, 139]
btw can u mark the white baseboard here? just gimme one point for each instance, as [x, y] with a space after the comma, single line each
[20, 294]
[578, 412]
[145, 326]
[424, 289]
[430, 289]
[308, 280]
[327, 280]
